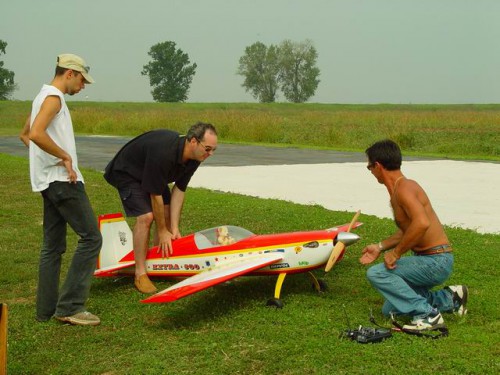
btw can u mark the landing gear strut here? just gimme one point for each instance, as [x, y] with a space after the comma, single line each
[318, 285]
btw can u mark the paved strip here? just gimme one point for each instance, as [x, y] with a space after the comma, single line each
[463, 193]
[96, 151]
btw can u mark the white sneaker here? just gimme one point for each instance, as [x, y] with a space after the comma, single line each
[83, 318]
[460, 295]
[427, 323]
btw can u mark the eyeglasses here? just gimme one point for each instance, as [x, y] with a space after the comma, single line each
[208, 149]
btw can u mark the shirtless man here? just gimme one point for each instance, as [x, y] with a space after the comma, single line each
[406, 282]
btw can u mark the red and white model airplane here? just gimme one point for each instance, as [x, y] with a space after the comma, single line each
[215, 255]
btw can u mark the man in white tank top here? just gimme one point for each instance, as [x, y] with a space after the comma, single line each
[48, 132]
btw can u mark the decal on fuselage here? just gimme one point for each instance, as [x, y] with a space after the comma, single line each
[175, 267]
[123, 237]
[279, 265]
[166, 267]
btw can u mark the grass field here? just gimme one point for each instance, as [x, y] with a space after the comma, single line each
[227, 329]
[453, 131]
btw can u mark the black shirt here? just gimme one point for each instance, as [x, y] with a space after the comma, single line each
[154, 159]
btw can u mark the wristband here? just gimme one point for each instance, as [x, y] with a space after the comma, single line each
[380, 247]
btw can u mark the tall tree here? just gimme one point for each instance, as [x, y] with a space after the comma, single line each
[298, 72]
[7, 85]
[259, 66]
[170, 73]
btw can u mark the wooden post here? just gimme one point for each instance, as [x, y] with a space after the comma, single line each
[3, 339]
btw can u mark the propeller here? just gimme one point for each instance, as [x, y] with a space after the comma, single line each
[340, 246]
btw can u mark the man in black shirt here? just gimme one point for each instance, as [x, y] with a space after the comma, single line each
[142, 170]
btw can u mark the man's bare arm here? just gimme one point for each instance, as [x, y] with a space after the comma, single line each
[164, 236]
[371, 252]
[176, 204]
[24, 136]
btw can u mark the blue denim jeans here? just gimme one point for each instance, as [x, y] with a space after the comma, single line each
[65, 203]
[407, 288]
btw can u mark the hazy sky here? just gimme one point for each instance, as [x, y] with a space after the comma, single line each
[370, 51]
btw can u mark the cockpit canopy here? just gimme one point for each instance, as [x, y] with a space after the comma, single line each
[220, 236]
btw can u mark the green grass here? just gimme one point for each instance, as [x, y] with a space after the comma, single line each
[227, 329]
[453, 131]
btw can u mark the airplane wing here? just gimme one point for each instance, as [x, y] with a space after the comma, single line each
[213, 276]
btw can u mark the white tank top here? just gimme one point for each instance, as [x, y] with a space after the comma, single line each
[43, 166]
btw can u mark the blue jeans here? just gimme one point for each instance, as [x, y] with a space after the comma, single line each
[406, 288]
[65, 203]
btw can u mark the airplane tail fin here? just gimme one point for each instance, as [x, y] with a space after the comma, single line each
[117, 245]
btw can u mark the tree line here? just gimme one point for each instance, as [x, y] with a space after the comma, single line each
[7, 84]
[289, 68]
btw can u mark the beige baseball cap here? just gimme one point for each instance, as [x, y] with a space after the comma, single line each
[74, 62]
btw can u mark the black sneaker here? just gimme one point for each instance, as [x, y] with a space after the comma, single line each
[460, 294]
[430, 322]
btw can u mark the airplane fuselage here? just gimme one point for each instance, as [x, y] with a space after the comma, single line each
[302, 251]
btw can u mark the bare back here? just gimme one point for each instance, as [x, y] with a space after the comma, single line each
[412, 208]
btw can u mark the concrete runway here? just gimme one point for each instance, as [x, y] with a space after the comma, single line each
[463, 193]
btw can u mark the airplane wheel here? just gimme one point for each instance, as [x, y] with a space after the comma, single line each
[276, 302]
[322, 286]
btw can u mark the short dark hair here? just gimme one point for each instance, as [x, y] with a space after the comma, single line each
[60, 71]
[198, 130]
[385, 152]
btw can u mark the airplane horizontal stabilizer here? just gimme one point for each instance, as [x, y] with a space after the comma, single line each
[111, 270]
